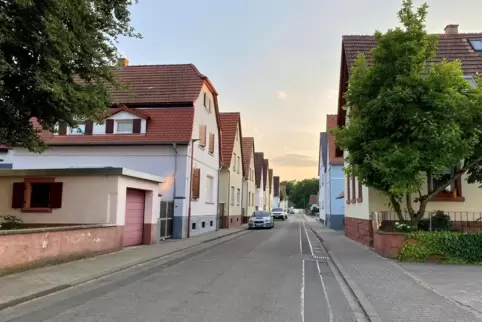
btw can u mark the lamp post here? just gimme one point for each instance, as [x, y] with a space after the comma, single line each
[190, 189]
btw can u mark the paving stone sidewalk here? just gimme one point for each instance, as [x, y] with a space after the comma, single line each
[20, 287]
[390, 292]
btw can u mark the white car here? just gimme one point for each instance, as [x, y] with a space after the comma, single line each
[279, 213]
[261, 219]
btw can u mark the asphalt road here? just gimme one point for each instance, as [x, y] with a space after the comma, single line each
[268, 275]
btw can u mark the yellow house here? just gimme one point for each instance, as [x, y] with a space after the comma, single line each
[249, 186]
[460, 200]
[232, 170]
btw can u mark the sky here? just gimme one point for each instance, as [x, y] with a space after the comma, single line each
[277, 62]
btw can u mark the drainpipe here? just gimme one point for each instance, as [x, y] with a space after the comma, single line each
[190, 190]
[174, 146]
[217, 198]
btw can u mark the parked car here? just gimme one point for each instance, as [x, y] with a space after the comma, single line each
[279, 213]
[261, 219]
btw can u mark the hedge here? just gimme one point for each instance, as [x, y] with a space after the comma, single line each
[450, 247]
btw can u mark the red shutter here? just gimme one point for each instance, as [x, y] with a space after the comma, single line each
[62, 129]
[56, 195]
[109, 126]
[18, 195]
[89, 128]
[211, 142]
[136, 126]
[360, 193]
[348, 199]
[353, 187]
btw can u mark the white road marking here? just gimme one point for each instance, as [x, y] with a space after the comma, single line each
[302, 300]
[301, 246]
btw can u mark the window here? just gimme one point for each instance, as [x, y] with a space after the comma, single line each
[209, 189]
[452, 191]
[234, 164]
[476, 44]
[205, 100]
[193, 226]
[360, 191]
[195, 183]
[232, 195]
[211, 223]
[202, 135]
[37, 195]
[80, 129]
[203, 224]
[353, 188]
[348, 184]
[125, 126]
[211, 143]
[239, 163]
[238, 196]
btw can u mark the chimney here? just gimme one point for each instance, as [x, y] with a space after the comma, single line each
[451, 29]
[123, 62]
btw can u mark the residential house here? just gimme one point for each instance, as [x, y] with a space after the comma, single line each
[323, 192]
[167, 124]
[335, 180]
[249, 184]
[276, 192]
[260, 176]
[266, 184]
[362, 201]
[270, 189]
[232, 171]
[313, 202]
[6, 157]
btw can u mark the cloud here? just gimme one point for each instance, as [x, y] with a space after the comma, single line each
[281, 95]
[295, 160]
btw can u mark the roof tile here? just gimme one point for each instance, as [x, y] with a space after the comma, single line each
[248, 151]
[229, 125]
[276, 187]
[258, 167]
[265, 173]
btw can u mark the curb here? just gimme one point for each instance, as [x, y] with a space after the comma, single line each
[367, 307]
[62, 287]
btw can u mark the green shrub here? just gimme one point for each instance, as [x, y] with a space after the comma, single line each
[10, 222]
[450, 247]
[440, 222]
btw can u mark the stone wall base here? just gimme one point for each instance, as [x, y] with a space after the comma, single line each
[360, 230]
[387, 244]
[232, 221]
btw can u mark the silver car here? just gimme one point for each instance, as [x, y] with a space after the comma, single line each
[261, 219]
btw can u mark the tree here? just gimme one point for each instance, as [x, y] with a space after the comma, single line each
[299, 191]
[410, 119]
[44, 46]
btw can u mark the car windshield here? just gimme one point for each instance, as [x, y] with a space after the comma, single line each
[277, 210]
[260, 214]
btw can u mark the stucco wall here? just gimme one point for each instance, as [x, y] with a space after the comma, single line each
[260, 194]
[337, 185]
[236, 177]
[249, 186]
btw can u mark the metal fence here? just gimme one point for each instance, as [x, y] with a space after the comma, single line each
[460, 221]
[165, 219]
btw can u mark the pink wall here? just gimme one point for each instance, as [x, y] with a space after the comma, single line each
[43, 245]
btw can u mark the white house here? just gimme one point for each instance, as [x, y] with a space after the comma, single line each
[166, 125]
[249, 185]
[260, 180]
[322, 174]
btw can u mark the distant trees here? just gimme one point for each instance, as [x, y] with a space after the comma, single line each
[299, 192]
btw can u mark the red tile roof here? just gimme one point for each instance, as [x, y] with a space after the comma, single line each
[258, 168]
[331, 123]
[229, 125]
[248, 151]
[270, 180]
[276, 188]
[265, 173]
[164, 125]
[159, 84]
[451, 47]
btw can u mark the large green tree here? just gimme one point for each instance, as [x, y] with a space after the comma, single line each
[299, 191]
[410, 119]
[56, 59]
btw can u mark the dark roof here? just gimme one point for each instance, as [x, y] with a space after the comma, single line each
[258, 168]
[248, 151]
[276, 182]
[159, 84]
[270, 180]
[265, 173]
[323, 151]
[229, 126]
[331, 123]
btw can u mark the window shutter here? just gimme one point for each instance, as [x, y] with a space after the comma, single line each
[18, 195]
[205, 99]
[202, 135]
[136, 126]
[56, 195]
[89, 127]
[353, 187]
[196, 183]
[348, 183]
[62, 129]
[360, 191]
[109, 126]
[211, 142]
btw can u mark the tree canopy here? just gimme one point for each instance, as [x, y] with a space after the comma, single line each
[56, 59]
[410, 119]
[299, 192]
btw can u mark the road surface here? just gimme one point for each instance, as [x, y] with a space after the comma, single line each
[280, 274]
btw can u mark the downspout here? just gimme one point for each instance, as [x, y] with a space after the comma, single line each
[217, 206]
[190, 192]
[175, 171]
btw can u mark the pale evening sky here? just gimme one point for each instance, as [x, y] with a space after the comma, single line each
[275, 61]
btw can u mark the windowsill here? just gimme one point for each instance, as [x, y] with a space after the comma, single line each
[209, 203]
[348, 202]
[353, 201]
[37, 210]
[211, 154]
[447, 198]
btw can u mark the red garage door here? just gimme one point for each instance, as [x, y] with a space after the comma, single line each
[134, 223]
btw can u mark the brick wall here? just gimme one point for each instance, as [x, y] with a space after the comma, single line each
[360, 230]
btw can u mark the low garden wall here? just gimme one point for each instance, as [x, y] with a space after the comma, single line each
[26, 248]
[388, 244]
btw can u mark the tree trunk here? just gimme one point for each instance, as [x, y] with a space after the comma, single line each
[397, 208]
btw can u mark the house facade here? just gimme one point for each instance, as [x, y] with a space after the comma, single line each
[266, 184]
[322, 168]
[276, 192]
[260, 180]
[166, 125]
[232, 170]
[360, 200]
[249, 184]
[270, 189]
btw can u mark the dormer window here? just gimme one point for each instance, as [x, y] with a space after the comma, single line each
[125, 126]
[476, 45]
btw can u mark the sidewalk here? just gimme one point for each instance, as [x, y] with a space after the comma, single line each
[24, 286]
[383, 288]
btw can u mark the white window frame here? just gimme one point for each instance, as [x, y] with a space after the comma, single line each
[127, 121]
[232, 196]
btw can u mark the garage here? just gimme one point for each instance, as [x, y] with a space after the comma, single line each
[134, 217]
